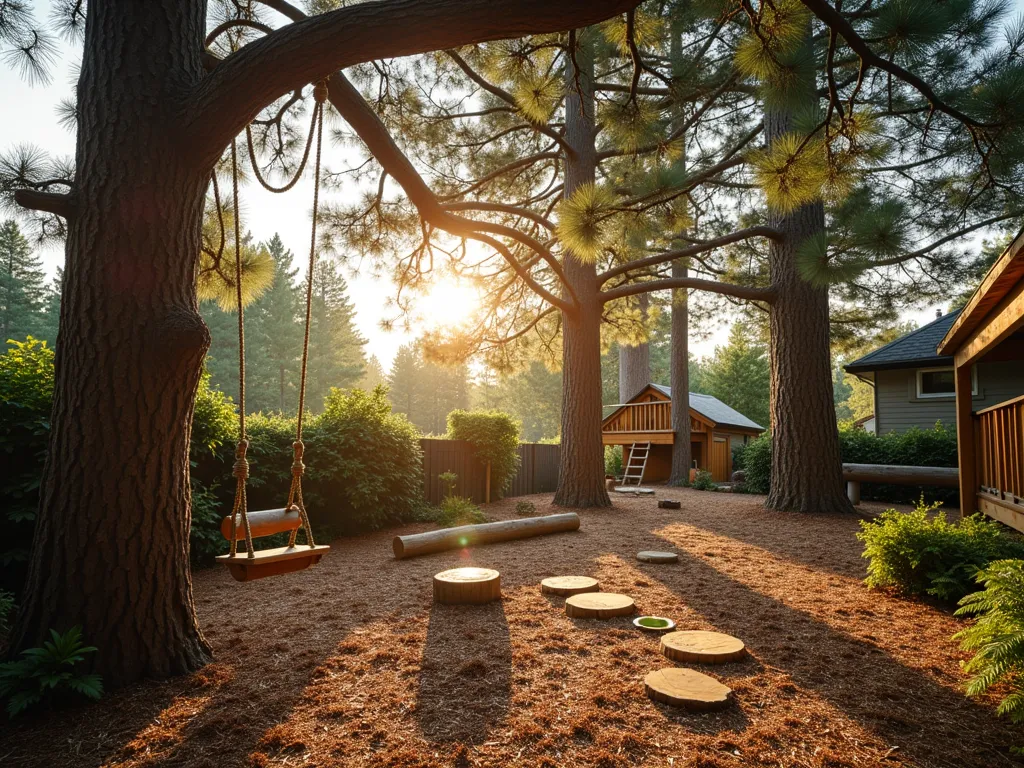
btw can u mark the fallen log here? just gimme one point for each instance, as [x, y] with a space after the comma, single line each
[485, 533]
[855, 474]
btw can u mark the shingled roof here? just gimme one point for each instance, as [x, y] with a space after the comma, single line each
[915, 350]
[714, 409]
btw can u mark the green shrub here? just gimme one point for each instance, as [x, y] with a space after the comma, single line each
[997, 638]
[494, 436]
[458, 510]
[757, 464]
[919, 553]
[703, 481]
[48, 673]
[525, 509]
[613, 460]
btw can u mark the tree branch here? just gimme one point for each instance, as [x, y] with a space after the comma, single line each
[311, 48]
[60, 203]
[726, 289]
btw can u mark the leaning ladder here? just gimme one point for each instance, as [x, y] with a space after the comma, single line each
[638, 453]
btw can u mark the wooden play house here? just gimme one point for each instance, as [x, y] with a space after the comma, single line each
[990, 440]
[643, 427]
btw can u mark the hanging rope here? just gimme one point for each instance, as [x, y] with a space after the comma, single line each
[305, 155]
[298, 467]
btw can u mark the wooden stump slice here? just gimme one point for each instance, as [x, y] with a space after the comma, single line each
[669, 504]
[704, 647]
[657, 557]
[687, 688]
[566, 586]
[634, 489]
[599, 605]
[467, 585]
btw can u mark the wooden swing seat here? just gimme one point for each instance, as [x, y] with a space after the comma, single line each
[272, 562]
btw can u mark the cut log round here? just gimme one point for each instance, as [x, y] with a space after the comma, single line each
[467, 586]
[636, 490]
[566, 586]
[669, 504]
[484, 533]
[687, 688]
[657, 557]
[599, 605]
[701, 646]
[262, 523]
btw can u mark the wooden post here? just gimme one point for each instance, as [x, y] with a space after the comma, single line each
[487, 485]
[853, 492]
[966, 457]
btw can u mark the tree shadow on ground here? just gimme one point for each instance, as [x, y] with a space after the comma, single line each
[929, 723]
[465, 676]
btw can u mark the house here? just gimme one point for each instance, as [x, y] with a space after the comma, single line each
[914, 384]
[715, 429]
[989, 335]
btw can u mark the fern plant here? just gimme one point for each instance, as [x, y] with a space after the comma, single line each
[48, 672]
[997, 638]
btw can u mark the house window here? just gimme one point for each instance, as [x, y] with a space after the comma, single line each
[941, 382]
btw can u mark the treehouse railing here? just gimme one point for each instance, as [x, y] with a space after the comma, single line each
[999, 432]
[646, 417]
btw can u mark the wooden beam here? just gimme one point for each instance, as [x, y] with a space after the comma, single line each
[998, 326]
[965, 445]
[946, 477]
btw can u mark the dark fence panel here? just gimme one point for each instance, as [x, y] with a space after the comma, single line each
[538, 470]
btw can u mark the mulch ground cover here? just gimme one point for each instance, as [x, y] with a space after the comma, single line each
[350, 664]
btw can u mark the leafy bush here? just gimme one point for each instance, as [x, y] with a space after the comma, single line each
[48, 673]
[757, 464]
[703, 482]
[613, 460]
[458, 510]
[494, 436]
[998, 636]
[920, 553]
[915, 447]
[525, 509]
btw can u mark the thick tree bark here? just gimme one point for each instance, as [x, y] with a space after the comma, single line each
[635, 361]
[581, 466]
[679, 369]
[806, 468]
[111, 542]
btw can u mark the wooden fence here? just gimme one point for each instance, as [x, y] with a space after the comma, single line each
[538, 470]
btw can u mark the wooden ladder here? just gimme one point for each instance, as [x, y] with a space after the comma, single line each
[638, 453]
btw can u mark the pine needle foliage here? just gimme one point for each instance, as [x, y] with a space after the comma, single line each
[997, 638]
[791, 171]
[580, 219]
[647, 30]
[537, 95]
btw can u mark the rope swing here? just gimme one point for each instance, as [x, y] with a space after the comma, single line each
[271, 562]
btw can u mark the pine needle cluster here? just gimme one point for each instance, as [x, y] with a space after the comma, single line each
[580, 218]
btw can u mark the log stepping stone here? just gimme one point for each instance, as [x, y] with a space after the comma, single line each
[701, 646]
[657, 557]
[467, 586]
[599, 605]
[566, 586]
[669, 504]
[687, 688]
[635, 490]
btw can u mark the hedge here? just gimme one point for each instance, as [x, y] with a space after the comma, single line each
[494, 436]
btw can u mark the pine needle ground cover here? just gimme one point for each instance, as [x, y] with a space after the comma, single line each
[350, 664]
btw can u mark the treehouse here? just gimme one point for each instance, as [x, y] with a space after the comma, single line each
[643, 427]
[990, 438]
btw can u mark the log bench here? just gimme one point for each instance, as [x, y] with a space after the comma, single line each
[894, 474]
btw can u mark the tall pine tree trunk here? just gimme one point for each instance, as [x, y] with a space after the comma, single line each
[581, 467]
[806, 471]
[635, 360]
[111, 542]
[679, 370]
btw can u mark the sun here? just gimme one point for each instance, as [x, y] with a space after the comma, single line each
[448, 303]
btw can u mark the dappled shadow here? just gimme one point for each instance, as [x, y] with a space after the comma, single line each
[465, 676]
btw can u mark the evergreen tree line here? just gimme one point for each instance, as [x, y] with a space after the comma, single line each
[29, 305]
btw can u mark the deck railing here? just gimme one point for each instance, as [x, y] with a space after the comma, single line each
[645, 417]
[999, 432]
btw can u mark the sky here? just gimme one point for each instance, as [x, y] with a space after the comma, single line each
[28, 116]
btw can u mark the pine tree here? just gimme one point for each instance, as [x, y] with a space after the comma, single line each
[22, 286]
[50, 320]
[404, 382]
[738, 375]
[374, 375]
[335, 346]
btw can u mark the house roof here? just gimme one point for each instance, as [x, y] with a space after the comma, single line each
[915, 350]
[715, 410]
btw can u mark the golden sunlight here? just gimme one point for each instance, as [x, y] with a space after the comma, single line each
[448, 303]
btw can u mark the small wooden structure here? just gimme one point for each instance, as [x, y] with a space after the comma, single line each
[990, 441]
[483, 533]
[715, 429]
[467, 586]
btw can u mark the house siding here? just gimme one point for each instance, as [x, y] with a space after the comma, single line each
[897, 407]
